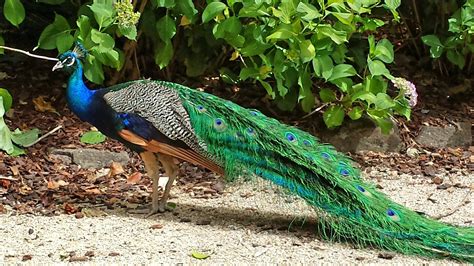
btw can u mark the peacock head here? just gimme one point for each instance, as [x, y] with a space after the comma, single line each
[70, 60]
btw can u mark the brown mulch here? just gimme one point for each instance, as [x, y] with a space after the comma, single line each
[37, 182]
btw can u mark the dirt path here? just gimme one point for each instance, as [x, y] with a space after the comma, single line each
[251, 223]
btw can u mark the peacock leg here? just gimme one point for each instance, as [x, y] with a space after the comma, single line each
[171, 170]
[153, 172]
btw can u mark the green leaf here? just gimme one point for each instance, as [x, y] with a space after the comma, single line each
[230, 26]
[310, 11]
[456, 58]
[199, 255]
[369, 97]
[25, 138]
[2, 42]
[103, 12]
[356, 113]
[393, 4]
[5, 135]
[336, 36]
[333, 116]
[268, 88]
[228, 76]
[306, 96]
[165, 3]
[128, 31]
[166, 28]
[383, 101]
[282, 33]
[48, 38]
[402, 107]
[323, 66]
[93, 70]
[212, 10]
[93, 137]
[51, 2]
[14, 11]
[187, 8]
[384, 51]
[64, 42]
[84, 25]
[164, 54]
[249, 72]
[17, 151]
[377, 68]
[342, 71]
[104, 40]
[327, 95]
[436, 48]
[344, 17]
[385, 124]
[7, 99]
[344, 84]
[307, 51]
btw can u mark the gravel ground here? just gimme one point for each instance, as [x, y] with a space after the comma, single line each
[251, 223]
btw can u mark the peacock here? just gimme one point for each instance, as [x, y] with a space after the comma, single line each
[164, 121]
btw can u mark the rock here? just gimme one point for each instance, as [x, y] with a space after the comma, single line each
[91, 158]
[363, 135]
[412, 152]
[441, 137]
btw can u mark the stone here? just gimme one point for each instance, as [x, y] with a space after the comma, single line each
[92, 158]
[442, 137]
[363, 135]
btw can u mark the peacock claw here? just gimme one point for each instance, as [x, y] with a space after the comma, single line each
[161, 207]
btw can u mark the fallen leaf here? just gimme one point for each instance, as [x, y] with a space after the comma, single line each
[15, 170]
[5, 183]
[95, 191]
[69, 208]
[90, 253]
[24, 189]
[116, 169]
[26, 257]
[78, 258]
[199, 255]
[114, 254]
[134, 178]
[93, 212]
[41, 105]
[57, 184]
[156, 226]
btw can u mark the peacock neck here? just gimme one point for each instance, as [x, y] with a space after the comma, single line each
[79, 97]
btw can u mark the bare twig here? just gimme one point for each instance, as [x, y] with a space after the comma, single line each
[464, 202]
[44, 136]
[315, 111]
[9, 178]
[29, 54]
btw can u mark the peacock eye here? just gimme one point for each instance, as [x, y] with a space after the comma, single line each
[69, 61]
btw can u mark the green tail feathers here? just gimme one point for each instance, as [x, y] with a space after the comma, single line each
[238, 139]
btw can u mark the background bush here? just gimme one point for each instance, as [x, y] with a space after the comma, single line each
[327, 54]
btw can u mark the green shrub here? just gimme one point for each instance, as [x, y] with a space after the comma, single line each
[457, 41]
[309, 53]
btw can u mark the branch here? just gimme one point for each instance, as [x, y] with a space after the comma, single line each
[29, 54]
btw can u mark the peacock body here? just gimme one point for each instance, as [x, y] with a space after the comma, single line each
[176, 121]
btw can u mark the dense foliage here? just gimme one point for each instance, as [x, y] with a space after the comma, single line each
[324, 54]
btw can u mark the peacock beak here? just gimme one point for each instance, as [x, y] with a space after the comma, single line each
[58, 65]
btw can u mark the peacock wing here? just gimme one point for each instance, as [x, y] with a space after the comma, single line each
[153, 118]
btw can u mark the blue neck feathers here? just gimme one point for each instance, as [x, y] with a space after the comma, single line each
[79, 97]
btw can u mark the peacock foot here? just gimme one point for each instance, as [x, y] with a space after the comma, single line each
[161, 207]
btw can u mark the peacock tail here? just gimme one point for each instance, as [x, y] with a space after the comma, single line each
[244, 141]
[240, 138]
